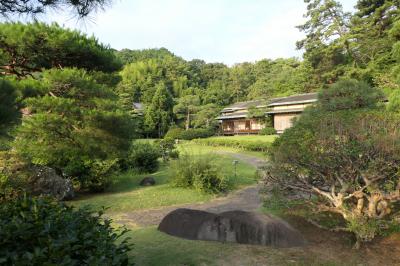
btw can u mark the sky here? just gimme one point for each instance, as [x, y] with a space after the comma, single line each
[228, 31]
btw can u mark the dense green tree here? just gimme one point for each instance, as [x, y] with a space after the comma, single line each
[241, 77]
[205, 116]
[186, 107]
[349, 94]
[158, 114]
[76, 128]
[81, 8]
[30, 48]
[326, 45]
[128, 56]
[281, 77]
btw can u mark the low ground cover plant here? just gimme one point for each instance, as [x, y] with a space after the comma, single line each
[40, 231]
[199, 172]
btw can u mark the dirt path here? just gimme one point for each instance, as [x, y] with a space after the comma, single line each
[246, 199]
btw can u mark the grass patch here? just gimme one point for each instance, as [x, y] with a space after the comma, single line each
[152, 247]
[126, 195]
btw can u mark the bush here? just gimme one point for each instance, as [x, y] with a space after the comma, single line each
[349, 160]
[267, 131]
[143, 156]
[39, 231]
[199, 172]
[168, 149]
[196, 133]
[248, 145]
[174, 133]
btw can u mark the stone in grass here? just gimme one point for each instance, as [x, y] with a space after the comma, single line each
[233, 226]
[147, 181]
[45, 181]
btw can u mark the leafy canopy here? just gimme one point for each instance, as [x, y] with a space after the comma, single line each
[32, 47]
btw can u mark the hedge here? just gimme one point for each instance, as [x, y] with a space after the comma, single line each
[248, 145]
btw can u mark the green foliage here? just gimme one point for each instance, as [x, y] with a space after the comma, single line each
[143, 156]
[167, 148]
[29, 48]
[267, 131]
[196, 133]
[8, 103]
[361, 45]
[186, 107]
[132, 56]
[174, 133]
[39, 231]
[158, 114]
[394, 102]
[77, 128]
[243, 144]
[29, 7]
[200, 173]
[349, 94]
[205, 116]
[355, 153]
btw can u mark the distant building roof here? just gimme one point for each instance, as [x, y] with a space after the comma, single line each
[295, 99]
[285, 111]
[232, 116]
[245, 105]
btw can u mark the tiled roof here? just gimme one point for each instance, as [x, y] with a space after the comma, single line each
[245, 105]
[295, 99]
[285, 111]
[232, 116]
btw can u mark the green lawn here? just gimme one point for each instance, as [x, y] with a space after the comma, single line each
[126, 195]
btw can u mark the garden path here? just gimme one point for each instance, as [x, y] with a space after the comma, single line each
[246, 199]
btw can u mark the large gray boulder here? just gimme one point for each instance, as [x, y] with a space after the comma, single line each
[46, 181]
[233, 226]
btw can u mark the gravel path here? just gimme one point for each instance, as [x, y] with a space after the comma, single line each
[246, 199]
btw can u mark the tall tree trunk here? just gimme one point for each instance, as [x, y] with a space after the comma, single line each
[187, 126]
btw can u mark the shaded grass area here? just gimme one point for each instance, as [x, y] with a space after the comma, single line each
[126, 195]
[152, 247]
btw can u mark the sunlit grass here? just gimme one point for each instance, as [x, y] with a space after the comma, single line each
[126, 195]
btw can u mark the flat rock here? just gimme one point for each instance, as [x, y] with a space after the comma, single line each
[232, 226]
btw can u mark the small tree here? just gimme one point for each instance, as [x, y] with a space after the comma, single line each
[186, 107]
[348, 159]
[77, 128]
[158, 115]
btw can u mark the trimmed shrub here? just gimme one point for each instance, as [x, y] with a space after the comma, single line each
[196, 133]
[267, 131]
[143, 156]
[40, 231]
[199, 172]
[174, 133]
[261, 146]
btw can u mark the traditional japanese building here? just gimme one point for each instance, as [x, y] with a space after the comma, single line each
[235, 119]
